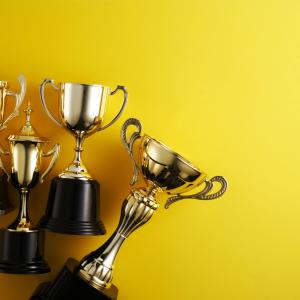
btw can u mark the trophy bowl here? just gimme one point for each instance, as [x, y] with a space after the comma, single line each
[167, 169]
[79, 112]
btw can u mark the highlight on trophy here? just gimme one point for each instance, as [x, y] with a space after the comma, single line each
[73, 205]
[22, 243]
[162, 170]
[5, 93]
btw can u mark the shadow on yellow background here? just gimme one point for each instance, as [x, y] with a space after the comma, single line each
[217, 81]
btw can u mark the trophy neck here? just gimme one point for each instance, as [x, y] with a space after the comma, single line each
[22, 222]
[77, 170]
[97, 267]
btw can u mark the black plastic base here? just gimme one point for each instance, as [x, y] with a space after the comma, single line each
[22, 252]
[5, 205]
[73, 207]
[68, 285]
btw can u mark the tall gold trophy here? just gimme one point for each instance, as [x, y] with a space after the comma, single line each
[73, 204]
[22, 243]
[5, 92]
[163, 170]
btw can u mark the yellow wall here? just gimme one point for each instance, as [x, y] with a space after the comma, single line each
[216, 80]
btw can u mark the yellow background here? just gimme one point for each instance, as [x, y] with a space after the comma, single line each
[218, 81]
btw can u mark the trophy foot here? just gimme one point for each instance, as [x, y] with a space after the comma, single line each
[22, 252]
[76, 171]
[5, 205]
[68, 285]
[73, 208]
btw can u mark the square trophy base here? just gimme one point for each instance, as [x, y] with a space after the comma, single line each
[5, 205]
[68, 285]
[22, 252]
[73, 207]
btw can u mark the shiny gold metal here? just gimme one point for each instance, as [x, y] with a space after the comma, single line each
[4, 93]
[26, 150]
[163, 170]
[81, 111]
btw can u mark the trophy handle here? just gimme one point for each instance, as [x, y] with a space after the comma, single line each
[55, 152]
[19, 99]
[43, 99]
[3, 151]
[203, 195]
[122, 88]
[129, 143]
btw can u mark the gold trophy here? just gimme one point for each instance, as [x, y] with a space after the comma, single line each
[163, 170]
[22, 243]
[5, 92]
[73, 204]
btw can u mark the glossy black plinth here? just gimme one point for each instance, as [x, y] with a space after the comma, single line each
[73, 207]
[5, 205]
[22, 252]
[68, 285]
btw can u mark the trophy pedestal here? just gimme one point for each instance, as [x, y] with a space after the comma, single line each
[73, 207]
[68, 285]
[22, 252]
[5, 205]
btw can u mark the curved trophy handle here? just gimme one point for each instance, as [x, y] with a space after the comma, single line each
[203, 195]
[122, 88]
[19, 99]
[55, 152]
[3, 151]
[129, 143]
[43, 99]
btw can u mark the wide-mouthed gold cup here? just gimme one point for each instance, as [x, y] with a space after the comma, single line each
[4, 93]
[163, 170]
[82, 111]
[26, 150]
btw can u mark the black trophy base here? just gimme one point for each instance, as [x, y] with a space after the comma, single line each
[68, 285]
[22, 252]
[5, 205]
[73, 207]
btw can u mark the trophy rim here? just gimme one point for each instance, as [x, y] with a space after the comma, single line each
[176, 154]
[26, 138]
[86, 84]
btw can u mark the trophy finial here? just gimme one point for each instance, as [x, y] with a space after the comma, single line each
[27, 129]
[28, 112]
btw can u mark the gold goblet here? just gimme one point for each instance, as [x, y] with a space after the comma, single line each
[23, 243]
[73, 204]
[163, 170]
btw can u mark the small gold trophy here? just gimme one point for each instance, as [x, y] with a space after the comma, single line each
[73, 204]
[163, 170]
[5, 92]
[22, 243]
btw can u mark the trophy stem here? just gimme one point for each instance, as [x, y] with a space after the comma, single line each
[22, 222]
[97, 267]
[77, 170]
[78, 149]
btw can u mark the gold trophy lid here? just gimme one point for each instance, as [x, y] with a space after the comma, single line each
[27, 131]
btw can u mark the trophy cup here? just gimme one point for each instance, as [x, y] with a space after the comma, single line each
[163, 170]
[22, 243]
[73, 205]
[5, 205]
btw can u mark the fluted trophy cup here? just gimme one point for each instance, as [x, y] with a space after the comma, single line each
[22, 243]
[163, 171]
[5, 93]
[73, 204]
